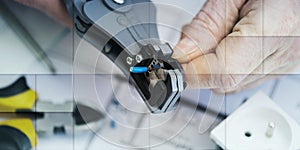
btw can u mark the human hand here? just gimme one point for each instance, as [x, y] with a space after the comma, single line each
[233, 44]
[53, 8]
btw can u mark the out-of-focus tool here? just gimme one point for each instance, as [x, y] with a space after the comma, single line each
[126, 32]
[17, 134]
[25, 36]
[19, 104]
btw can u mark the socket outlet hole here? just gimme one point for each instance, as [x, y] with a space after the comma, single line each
[248, 134]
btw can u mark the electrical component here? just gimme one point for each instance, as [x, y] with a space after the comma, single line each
[114, 26]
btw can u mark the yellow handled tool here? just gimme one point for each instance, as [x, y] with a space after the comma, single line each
[17, 96]
[17, 134]
[19, 101]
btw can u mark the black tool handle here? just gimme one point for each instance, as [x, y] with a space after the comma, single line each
[13, 139]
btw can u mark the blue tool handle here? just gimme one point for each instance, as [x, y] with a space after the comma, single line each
[138, 69]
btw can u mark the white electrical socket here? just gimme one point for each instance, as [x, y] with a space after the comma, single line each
[258, 124]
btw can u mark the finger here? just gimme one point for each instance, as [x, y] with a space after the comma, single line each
[284, 53]
[59, 12]
[273, 75]
[214, 21]
[280, 63]
[259, 79]
[54, 8]
[235, 57]
[251, 85]
[282, 18]
[31, 3]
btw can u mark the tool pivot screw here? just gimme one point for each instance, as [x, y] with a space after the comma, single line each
[138, 58]
[129, 60]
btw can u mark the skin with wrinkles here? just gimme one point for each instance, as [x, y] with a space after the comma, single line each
[233, 44]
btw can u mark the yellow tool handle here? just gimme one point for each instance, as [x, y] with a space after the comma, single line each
[17, 96]
[17, 134]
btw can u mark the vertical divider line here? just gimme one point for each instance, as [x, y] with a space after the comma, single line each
[263, 36]
[73, 100]
[149, 133]
[35, 121]
[225, 94]
[149, 17]
[72, 72]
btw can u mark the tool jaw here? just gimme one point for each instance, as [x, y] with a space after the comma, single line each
[160, 87]
[127, 34]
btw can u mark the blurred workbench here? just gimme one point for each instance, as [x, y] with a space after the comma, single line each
[60, 45]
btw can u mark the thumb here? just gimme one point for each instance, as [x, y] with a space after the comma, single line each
[214, 21]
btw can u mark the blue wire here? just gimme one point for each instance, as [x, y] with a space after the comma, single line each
[138, 69]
